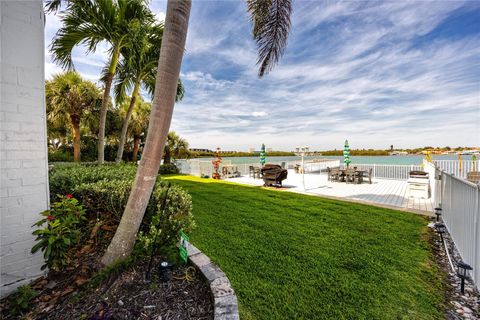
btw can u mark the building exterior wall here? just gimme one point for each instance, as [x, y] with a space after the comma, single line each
[23, 145]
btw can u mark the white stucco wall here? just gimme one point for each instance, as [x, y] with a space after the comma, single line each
[23, 148]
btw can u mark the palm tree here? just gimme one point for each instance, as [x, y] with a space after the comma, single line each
[89, 22]
[139, 124]
[271, 24]
[175, 147]
[139, 68]
[68, 96]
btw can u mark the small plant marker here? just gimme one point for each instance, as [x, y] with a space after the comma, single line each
[183, 246]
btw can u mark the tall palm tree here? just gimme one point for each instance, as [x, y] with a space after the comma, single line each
[176, 147]
[68, 96]
[89, 22]
[138, 69]
[271, 24]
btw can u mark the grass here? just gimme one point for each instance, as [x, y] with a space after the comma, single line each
[292, 256]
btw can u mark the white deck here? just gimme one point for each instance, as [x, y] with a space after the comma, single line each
[382, 191]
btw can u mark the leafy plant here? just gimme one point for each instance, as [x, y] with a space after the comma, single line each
[61, 231]
[19, 301]
[168, 168]
[164, 225]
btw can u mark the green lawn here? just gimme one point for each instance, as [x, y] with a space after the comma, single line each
[291, 256]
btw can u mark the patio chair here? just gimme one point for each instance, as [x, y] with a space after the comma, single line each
[251, 172]
[350, 175]
[358, 177]
[368, 175]
[473, 176]
[332, 174]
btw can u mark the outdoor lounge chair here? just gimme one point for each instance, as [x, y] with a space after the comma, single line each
[273, 175]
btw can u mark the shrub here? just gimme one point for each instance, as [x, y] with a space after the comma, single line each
[105, 196]
[163, 226]
[61, 231]
[110, 198]
[19, 301]
[65, 178]
[104, 192]
[168, 168]
[60, 156]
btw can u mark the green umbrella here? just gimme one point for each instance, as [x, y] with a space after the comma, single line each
[346, 154]
[262, 155]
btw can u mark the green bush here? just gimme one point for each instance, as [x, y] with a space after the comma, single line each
[104, 192]
[65, 178]
[20, 300]
[60, 156]
[60, 231]
[168, 168]
[163, 226]
[105, 196]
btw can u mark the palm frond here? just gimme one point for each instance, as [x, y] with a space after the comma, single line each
[271, 26]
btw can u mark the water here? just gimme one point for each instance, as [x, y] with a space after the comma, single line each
[407, 159]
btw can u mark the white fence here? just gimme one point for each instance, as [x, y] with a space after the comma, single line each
[198, 167]
[459, 200]
[388, 171]
[461, 214]
[458, 168]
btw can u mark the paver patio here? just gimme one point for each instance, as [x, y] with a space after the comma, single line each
[386, 192]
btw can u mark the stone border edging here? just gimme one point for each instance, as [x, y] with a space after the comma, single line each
[225, 305]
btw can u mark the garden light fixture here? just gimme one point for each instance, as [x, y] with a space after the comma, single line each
[462, 272]
[438, 213]
[165, 271]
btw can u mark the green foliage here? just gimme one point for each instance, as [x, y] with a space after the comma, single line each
[19, 301]
[104, 191]
[168, 168]
[293, 256]
[357, 152]
[105, 196]
[211, 154]
[60, 156]
[64, 178]
[164, 226]
[61, 231]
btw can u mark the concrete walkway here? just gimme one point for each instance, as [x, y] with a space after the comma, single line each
[383, 192]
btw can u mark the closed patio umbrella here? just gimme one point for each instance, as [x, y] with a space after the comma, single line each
[474, 162]
[346, 154]
[262, 155]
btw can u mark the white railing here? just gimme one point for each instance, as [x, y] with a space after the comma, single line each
[459, 201]
[388, 171]
[198, 167]
[458, 168]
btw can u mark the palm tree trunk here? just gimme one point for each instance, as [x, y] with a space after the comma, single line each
[105, 101]
[166, 158]
[76, 137]
[171, 54]
[136, 146]
[123, 135]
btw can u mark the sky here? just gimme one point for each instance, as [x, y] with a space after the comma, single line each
[399, 73]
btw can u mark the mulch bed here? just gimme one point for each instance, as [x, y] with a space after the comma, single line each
[123, 295]
[459, 305]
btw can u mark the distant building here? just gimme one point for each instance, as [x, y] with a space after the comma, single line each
[251, 150]
[200, 150]
[268, 150]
